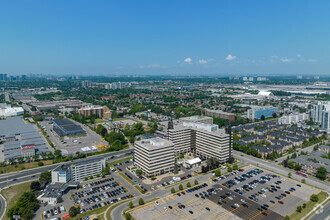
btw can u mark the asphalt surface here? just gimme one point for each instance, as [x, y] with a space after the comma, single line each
[322, 214]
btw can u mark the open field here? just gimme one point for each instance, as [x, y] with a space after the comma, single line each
[12, 193]
[23, 166]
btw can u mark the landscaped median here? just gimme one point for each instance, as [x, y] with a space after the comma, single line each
[109, 210]
[131, 182]
[309, 207]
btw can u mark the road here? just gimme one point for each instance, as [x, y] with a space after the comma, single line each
[6, 180]
[323, 213]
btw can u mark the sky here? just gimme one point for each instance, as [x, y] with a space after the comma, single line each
[194, 37]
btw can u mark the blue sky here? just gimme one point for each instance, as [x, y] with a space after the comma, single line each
[165, 37]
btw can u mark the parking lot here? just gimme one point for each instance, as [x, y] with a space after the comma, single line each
[93, 194]
[166, 181]
[229, 198]
[73, 145]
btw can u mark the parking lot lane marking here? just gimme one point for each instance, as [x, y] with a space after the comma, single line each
[171, 197]
[163, 201]
[167, 199]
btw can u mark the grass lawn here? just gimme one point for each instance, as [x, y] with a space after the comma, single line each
[89, 213]
[309, 207]
[23, 166]
[119, 119]
[12, 194]
[119, 161]
[100, 120]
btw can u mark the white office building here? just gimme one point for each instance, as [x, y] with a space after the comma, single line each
[154, 156]
[78, 171]
[206, 140]
[8, 111]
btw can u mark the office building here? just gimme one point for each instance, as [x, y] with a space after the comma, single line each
[203, 139]
[220, 114]
[65, 127]
[100, 111]
[256, 112]
[154, 156]
[117, 85]
[78, 171]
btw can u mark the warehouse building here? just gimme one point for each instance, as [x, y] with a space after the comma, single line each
[8, 111]
[154, 156]
[65, 127]
[20, 139]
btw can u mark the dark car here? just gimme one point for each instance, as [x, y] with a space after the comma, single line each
[170, 207]
[191, 212]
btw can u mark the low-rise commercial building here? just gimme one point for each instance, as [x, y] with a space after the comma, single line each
[8, 111]
[154, 156]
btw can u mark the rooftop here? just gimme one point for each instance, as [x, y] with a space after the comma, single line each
[154, 143]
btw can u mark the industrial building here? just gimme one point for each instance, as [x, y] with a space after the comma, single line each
[100, 111]
[154, 156]
[219, 114]
[20, 139]
[256, 112]
[65, 127]
[8, 111]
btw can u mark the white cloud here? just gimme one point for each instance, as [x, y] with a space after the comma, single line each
[230, 57]
[203, 61]
[299, 55]
[188, 60]
[285, 60]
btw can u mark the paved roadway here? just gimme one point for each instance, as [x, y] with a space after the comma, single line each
[323, 213]
[6, 180]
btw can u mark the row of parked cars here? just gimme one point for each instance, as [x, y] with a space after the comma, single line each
[95, 190]
[102, 196]
[53, 211]
[97, 182]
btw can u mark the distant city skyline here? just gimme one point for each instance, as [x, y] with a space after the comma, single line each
[222, 38]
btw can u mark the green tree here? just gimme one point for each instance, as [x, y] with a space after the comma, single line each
[180, 187]
[73, 211]
[106, 171]
[188, 185]
[321, 173]
[128, 216]
[35, 185]
[314, 198]
[303, 180]
[289, 175]
[297, 167]
[229, 169]
[196, 182]
[86, 178]
[141, 201]
[287, 217]
[217, 172]
[45, 176]
[91, 177]
[172, 190]
[138, 172]
[176, 169]
[130, 204]
[58, 153]
[40, 164]
[304, 205]
[299, 209]
[235, 167]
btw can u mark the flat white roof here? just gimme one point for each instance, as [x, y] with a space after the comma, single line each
[193, 161]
